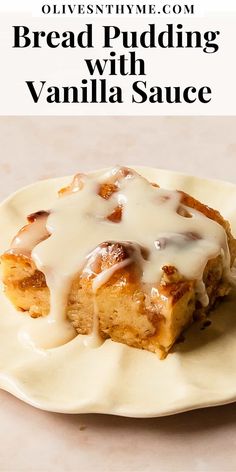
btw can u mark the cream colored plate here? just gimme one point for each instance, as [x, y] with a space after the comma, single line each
[114, 378]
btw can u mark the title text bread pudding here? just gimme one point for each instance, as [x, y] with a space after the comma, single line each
[118, 257]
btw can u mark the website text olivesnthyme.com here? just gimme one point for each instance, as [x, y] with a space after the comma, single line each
[119, 9]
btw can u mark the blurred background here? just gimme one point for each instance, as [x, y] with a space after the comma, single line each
[35, 148]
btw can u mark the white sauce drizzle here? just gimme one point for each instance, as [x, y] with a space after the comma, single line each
[29, 236]
[106, 274]
[94, 339]
[78, 223]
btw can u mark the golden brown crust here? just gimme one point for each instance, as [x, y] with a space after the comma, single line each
[213, 215]
[37, 214]
[143, 316]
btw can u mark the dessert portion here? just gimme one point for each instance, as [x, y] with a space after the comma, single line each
[119, 257]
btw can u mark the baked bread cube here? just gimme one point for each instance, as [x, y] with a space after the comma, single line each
[108, 289]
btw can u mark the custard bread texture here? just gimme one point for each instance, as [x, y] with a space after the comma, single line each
[141, 315]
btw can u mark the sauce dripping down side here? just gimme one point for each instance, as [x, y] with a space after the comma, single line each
[119, 206]
[31, 235]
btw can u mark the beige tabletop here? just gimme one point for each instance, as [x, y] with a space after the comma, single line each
[33, 440]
